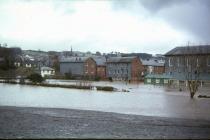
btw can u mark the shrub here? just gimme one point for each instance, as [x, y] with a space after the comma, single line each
[107, 88]
[35, 78]
[69, 76]
[110, 79]
[97, 78]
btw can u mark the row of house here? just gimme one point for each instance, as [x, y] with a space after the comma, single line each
[116, 68]
[181, 64]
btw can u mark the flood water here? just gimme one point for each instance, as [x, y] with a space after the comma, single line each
[141, 100]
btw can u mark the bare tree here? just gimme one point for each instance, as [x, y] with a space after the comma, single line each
[192, 69]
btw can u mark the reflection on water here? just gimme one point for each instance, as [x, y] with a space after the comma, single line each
[142, 100]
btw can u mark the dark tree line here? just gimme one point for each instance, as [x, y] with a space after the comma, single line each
[7, 57]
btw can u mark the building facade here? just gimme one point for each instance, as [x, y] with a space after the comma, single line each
[78, 66]
[153, 67]
[47, 71]
[124, 68]
[189, 63]
[101, 66]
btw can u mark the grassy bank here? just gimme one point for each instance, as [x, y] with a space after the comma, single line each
[102, 88]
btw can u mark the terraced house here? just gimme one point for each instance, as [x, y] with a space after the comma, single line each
[153, 66]
[124, 68]
[187, 62]
[78, 66]
[101, 66]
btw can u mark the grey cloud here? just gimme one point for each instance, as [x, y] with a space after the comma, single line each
[191, 16]
[156, 5]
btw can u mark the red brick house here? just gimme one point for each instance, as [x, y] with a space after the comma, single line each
[101, 66]
[153, 67]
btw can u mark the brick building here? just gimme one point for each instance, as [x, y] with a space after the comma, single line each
[153, 66]
[78, 66]
[124, 68]
[101, 66]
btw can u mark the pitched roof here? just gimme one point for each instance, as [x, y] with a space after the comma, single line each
[46, 68]
[189, 50]
[120, 59]
[161, 76]
[100, 61]
[74, 59]
[151, 62]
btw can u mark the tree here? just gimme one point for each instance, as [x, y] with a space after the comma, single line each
[35, 78]
[98, 53]
[192, 69]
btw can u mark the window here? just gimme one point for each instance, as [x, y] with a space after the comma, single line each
[110, 72]
[148, 80]
[157, 81]
[169, 62]
[187, 62]
[197, 62]
[178, 62]
[165, 81]
[208, 61]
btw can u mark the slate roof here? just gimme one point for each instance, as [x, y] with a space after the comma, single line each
[185, 50]
[46, 68]
[74, 59]
[151, 62]
[100, 61]
[160, 76]
[120, 59]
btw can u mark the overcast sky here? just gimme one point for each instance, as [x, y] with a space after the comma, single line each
[150, 26]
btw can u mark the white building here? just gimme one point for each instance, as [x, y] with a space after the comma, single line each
[47, 71]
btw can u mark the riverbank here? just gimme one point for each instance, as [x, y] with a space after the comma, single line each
[22, 122]
[80, 86]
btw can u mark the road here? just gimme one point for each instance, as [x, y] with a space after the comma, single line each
[27, 122]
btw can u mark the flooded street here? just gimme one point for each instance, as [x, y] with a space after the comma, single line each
[142, 99]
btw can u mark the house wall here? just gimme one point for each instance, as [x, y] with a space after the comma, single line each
[136, 69]
[119, 71]
[179, 66]
[101, 71]
[73, 68]
[47, 72]
[90, 67]
[154, 69]
[159, 69]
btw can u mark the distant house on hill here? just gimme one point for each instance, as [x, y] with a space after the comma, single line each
[124, 68]
[78, 66]
[18, 61]
[47, 71]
